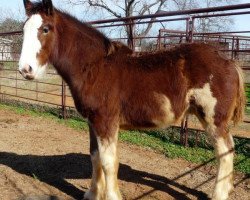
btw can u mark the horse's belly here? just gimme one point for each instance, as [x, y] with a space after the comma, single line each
[147, 122]
[157, 113]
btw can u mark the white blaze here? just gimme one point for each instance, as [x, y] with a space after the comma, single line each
[31, 46]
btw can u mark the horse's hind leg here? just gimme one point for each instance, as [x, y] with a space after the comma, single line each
[224, 148]
[223, 144]
[215, 122]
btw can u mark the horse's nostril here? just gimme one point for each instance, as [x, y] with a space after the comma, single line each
[27, 70]
[30, 69]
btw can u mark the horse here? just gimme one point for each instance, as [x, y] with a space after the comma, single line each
[115, 89]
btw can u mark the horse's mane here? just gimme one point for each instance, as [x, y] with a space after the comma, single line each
[85, 27]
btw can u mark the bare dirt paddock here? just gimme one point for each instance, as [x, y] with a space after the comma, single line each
[41, 159]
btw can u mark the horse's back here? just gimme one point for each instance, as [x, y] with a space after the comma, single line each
[204, 62]
[159, 88]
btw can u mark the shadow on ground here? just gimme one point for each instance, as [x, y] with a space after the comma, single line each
[53, 170]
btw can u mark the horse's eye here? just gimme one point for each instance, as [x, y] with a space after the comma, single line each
[45, 29]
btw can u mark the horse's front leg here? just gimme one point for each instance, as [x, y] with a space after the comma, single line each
[104, 160]
[97, 188]
[109, 161]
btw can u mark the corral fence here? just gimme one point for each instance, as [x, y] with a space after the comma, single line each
[52, 90]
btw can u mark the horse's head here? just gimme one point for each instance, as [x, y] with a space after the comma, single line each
[38, 38]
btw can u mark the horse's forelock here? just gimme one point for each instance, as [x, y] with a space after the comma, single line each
[37, 7]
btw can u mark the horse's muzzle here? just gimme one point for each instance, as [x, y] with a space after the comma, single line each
[27, 72]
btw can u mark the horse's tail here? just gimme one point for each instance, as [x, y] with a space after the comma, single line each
[240, 98]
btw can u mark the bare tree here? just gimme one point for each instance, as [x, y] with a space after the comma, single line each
[215, 24]
[125, 8]
[9, 24]
[128, 8]
[11, 20]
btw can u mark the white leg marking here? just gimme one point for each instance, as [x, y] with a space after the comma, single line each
[97, 189]
[108, 156]
[224, 180]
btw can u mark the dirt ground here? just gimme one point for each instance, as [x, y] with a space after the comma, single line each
[41, 160]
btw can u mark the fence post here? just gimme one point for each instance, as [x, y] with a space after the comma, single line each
[197, 138]
[36, 90]
[131, 34]
[63, 100]
[236, 55]
[186, 132]
[16, 81]
[159, 40]
[232, 55]
[189, 29]
[182, 132]
[184, 123]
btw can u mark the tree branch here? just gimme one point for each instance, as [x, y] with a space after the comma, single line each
[147, 7]
[150, 24]
[104, 6]
[130, 3]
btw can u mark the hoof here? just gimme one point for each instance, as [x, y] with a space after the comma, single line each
[114, 196]
[90, 195]
[220, 196]
[222, 192]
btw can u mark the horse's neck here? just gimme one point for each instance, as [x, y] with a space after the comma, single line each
[76, 50]
[76, 56]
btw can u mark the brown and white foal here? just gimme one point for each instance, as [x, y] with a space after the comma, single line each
[114, 89]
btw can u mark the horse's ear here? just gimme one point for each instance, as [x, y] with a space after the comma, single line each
[48, 7]
[118, 46]
[111, 48]
[28, 6]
